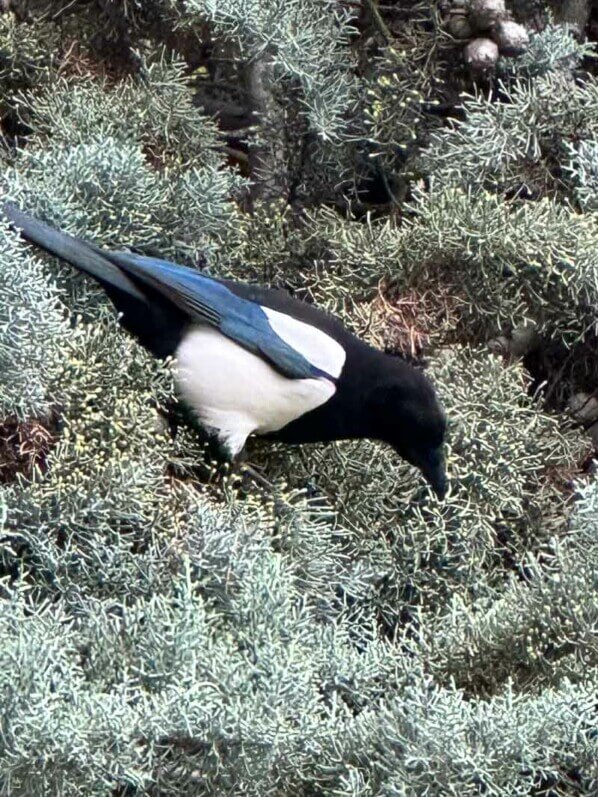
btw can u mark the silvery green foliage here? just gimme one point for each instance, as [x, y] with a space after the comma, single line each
[585, 519]
[154, 108]
[583, 168]
[434, 741]
[498, 262]
[105, 190]
[112, 170]
[28, 53]
[537, 260]
[538, 256]
[307, 41]
[409, 81]
[32, 328]
[511, 146]
[98, 22]
[541, 626]
[236, 668]
[553, 49]
[106, 483]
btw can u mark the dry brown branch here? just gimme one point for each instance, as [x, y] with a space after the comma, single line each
[24, 446]
[416, 319]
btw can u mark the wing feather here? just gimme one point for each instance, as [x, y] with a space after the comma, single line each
[208, 301]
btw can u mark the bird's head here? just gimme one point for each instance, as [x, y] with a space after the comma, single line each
[406, 414]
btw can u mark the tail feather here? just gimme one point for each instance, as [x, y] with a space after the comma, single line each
[150, 317]
[83, 256]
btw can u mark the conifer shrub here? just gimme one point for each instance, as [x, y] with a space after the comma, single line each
[171, 627]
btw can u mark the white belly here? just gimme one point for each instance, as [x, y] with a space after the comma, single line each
[235, 393]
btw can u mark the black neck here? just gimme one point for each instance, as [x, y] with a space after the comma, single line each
[348, 414]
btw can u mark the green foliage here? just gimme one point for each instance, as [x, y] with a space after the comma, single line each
[554, 49]
[514, 147]
[472, 747]
[500, 262]
[408, 83]
[154, 108]
[533, 141]
[28, 52]
[583, 167]
[511, 260]
[32, 330]
[539, 631]
[105, 161]
[108, 188]
[237, 667]
[307, 42]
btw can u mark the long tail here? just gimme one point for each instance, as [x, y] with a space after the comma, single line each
[83, 256]
[150, 317]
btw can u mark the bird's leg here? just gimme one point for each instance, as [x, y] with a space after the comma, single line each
[257, 477]
[244, 466]
[217, 457]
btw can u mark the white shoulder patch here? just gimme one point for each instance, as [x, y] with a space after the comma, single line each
[237, 393]
[316, 346]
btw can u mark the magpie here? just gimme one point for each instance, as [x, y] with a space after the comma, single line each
[251, 360]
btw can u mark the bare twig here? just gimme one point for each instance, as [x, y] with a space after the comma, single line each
[230, 115]
[236, 154]
[383, 28]
[267, 158]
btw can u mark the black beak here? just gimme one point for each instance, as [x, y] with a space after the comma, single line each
[434, 472]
